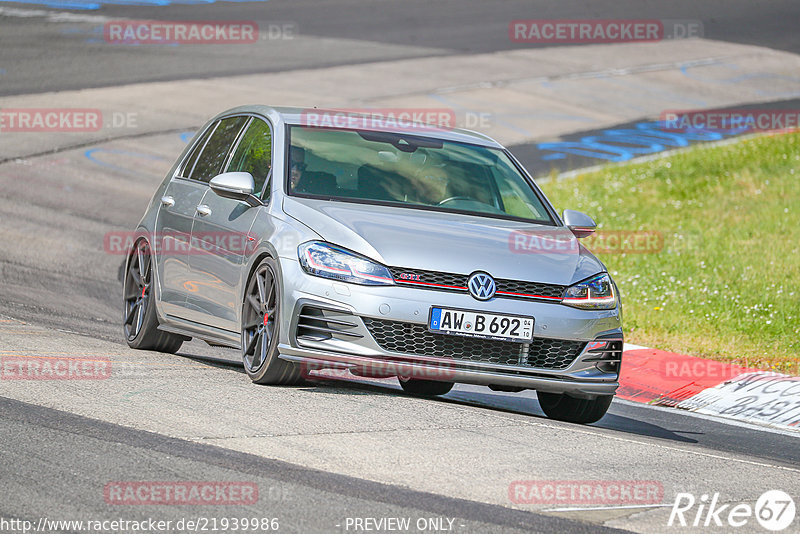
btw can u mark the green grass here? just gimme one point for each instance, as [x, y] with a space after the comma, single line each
[726, 284]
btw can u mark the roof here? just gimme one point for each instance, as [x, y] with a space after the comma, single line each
[388, 119]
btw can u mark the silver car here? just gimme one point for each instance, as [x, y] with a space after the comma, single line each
[378, 248]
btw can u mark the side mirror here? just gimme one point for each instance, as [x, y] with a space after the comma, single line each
[579, 223]
[235, 185]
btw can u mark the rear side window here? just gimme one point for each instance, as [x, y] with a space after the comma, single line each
[254, 153]
[188, 165]
[211, 159]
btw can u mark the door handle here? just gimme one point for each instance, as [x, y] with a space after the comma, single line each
[167, 201]
[203, 210]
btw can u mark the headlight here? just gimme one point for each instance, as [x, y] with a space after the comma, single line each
[596, 293]
[336, 263]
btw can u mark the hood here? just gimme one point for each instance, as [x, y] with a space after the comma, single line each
[449, 242]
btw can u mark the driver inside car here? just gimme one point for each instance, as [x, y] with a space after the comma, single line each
[297, 156]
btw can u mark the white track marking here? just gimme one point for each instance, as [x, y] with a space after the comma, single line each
[53, 16]
[595, 508]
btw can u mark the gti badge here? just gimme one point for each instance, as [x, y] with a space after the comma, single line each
[481, 286]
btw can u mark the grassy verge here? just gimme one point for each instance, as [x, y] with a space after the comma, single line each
[725, 281]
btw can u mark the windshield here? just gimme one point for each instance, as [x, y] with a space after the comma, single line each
[409, 171]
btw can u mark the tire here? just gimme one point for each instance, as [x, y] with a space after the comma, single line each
[139, 320]
[426, 388]
[565, 408]
[261, 313]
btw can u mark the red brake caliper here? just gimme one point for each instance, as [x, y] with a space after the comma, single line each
[266, 318]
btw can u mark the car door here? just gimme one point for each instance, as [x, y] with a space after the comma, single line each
[174, 227]
[220, 235]
[207, 300]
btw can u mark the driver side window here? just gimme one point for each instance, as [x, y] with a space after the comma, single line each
[254, 154]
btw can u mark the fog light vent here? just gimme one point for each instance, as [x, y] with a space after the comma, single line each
[317, 324]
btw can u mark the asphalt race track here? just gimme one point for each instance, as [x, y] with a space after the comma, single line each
[338, 448]
[76, 57]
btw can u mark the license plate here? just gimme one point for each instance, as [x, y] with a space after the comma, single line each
[480, 324]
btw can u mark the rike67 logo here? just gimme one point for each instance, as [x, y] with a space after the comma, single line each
[774, 510]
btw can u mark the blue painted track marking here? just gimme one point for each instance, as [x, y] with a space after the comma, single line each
[622, 144]
[92, 152]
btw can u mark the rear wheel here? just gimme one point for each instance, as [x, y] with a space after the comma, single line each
[261, 327]
[140, 323]
[427, 388]
[562, 407]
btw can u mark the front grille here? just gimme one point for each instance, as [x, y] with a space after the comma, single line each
[458, 282]
[552, 291]
[454, 281]
[412, 338]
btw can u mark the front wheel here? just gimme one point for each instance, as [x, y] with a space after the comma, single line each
[261, 312]
[562, 407]
[427, 388]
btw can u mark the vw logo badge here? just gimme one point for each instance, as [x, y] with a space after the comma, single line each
[481, 286]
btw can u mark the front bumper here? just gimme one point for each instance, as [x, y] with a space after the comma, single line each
[594, 371]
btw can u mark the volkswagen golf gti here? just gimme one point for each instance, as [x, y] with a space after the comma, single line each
[315, 240]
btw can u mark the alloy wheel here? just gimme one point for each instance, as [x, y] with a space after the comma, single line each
[260, 316]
